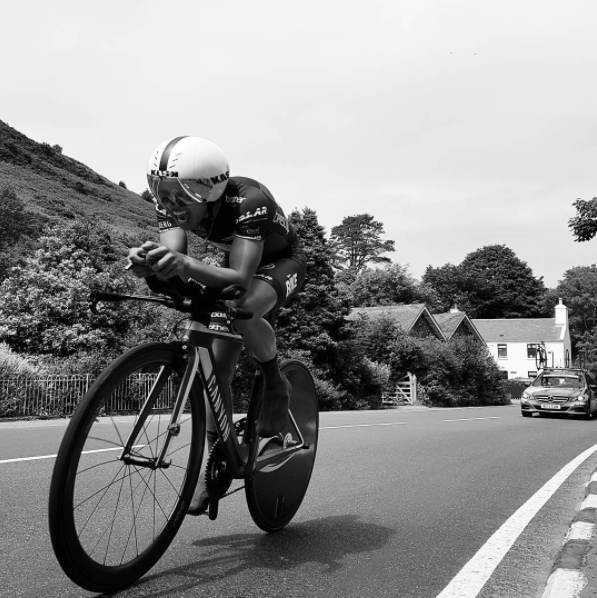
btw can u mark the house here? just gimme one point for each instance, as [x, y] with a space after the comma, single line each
[513, 342]
[456, 323]
[415, 319]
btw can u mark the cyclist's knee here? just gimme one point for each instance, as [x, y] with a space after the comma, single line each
[260, 299]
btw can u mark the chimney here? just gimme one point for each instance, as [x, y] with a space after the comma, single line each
[454, 310]
[561, 314]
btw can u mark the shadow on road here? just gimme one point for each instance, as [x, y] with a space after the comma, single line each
[323, 543]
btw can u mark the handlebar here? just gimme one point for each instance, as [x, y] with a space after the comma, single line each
[200, 306]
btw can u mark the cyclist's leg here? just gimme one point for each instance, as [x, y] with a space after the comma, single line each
[260, 339]
[274, 284]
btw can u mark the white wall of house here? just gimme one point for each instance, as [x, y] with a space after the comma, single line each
[518, 361]
[519, 365]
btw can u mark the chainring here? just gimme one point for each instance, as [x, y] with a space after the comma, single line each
[217, 476]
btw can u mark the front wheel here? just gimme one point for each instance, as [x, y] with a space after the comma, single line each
[275, 493]
[112, 512]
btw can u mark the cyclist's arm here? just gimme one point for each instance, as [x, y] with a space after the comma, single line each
[245, 256]
[175, 239]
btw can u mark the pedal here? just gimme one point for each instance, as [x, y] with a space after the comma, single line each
[214, 505]
[289, 441]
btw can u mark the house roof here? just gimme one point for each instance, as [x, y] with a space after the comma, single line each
[449, 322]
[406, 316]
[529, 330]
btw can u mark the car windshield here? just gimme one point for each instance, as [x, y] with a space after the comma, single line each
[559, 381]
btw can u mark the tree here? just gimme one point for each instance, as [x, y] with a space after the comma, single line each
[578, 291]
[17, 226]
[584, 224]
[491, 282]
[44, 304]
[369, 287]
[452, 286]
[314, 327]
[312, 322]
[357, 242]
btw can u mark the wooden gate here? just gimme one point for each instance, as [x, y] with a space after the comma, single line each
[404, 393]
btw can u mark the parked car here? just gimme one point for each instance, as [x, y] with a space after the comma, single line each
[568, 391]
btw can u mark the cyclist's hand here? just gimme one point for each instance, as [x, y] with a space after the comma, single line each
[165, 262]
[138, 263]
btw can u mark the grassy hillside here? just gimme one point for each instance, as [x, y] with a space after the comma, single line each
[61, 188]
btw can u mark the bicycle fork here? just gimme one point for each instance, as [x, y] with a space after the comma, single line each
[173, 428]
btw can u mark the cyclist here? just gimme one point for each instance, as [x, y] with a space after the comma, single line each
[193, 192]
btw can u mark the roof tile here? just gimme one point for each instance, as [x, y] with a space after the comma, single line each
[530, 330]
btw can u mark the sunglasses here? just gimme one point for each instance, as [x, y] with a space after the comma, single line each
[171, 189]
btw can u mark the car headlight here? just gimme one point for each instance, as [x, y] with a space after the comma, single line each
[525, 397]
[581, 398]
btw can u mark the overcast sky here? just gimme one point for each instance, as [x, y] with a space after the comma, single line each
[455, 123]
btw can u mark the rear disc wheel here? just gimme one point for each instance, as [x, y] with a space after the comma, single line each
[275, 493]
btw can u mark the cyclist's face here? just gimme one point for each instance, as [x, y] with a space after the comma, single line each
[187, 215]
[180, 206]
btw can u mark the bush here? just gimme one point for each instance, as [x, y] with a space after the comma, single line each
[81, 188]
[459, 372]
[12, 364]
[515, 387]
[122, 184]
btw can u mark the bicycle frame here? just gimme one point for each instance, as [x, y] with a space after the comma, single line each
[242, 457]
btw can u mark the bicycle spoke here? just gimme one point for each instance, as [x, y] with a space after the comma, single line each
[113, 514]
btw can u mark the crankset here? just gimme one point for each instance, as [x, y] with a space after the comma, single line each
[217, 477]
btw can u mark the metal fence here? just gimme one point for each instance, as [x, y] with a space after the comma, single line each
[59, 395]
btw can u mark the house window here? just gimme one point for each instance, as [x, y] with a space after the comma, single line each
[502, 351]
[532, 351]
[531, 374]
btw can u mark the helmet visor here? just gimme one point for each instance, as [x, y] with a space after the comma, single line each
[171, 189]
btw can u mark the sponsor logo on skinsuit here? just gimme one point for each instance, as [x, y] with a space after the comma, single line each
[281, 220]
[258, 212]
[235, 199]
[264, 277]
[291, 284]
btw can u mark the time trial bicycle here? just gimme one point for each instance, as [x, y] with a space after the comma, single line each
[130, 458]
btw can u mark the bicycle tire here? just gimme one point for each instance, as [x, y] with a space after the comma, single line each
[540, 358]
[274, 496]
[111, 521]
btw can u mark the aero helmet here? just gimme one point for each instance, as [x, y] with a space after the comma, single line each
[196, 165]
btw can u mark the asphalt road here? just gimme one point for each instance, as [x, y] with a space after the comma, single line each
[399, 502]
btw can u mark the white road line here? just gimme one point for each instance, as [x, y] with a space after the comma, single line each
[362, 426]
[473, 576]
[466, 419]
[118, 448]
